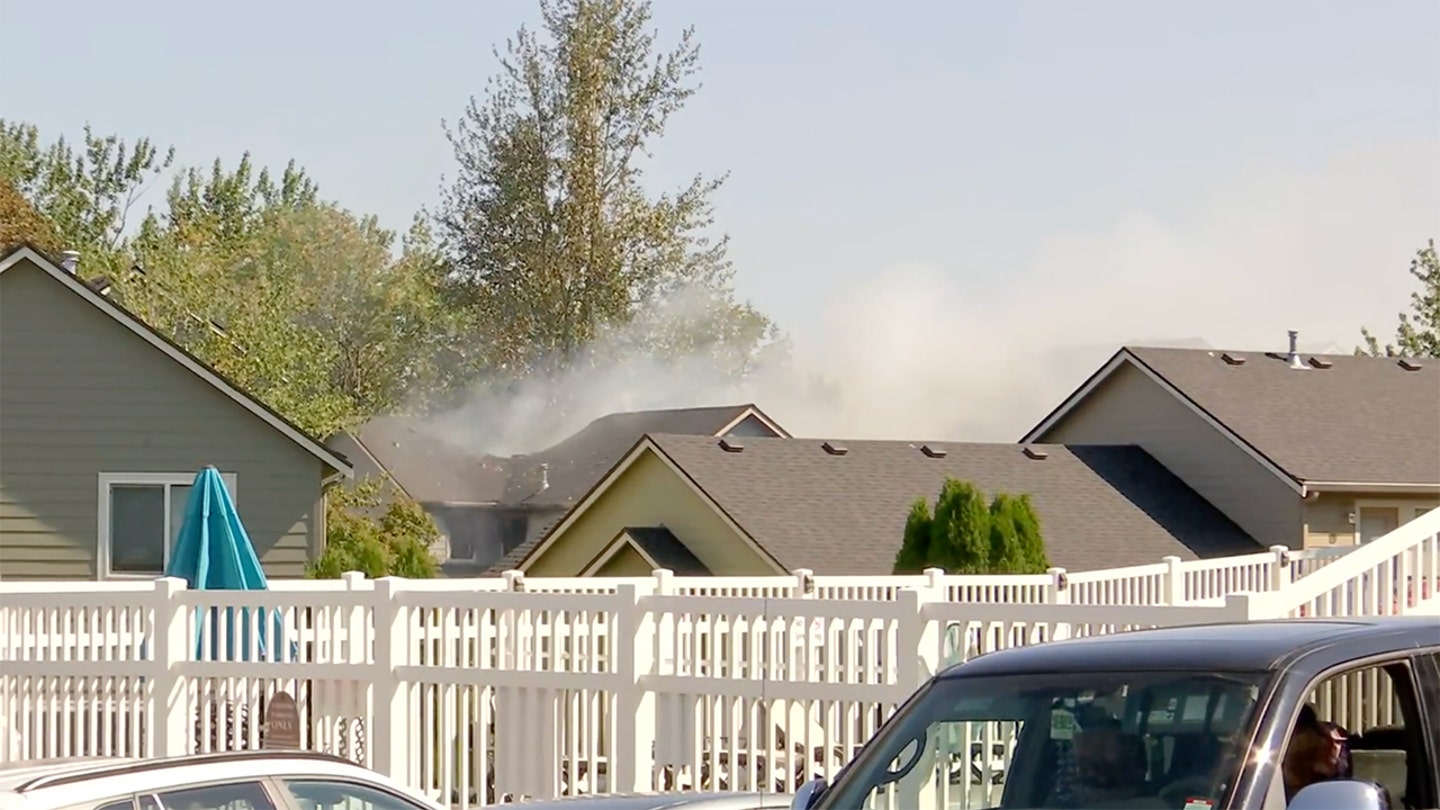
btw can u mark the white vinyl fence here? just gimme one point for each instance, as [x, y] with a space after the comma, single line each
[478, 690]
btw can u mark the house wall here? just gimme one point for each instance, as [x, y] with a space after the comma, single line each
[1130, 408]
[81, 394]
[1327, 518]
[649, 493]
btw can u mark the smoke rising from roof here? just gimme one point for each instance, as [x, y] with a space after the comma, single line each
[910, 352]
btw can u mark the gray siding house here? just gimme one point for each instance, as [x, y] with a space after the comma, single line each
[103, 425]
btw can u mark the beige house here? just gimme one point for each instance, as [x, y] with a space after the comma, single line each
[103, 426]
[733, 506]
[1298, 449]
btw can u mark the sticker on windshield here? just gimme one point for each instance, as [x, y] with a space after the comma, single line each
[1062, 725]
[1198, 804]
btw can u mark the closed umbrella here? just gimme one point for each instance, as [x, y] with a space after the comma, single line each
[213, 553]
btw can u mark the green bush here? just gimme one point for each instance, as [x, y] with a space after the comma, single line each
[965, 537]
[379, 537]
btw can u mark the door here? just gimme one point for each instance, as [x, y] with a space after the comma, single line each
[1377, 521]
[1427, 676]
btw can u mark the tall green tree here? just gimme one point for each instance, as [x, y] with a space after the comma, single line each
[552, 236]
[1418, 333]
[914, 554]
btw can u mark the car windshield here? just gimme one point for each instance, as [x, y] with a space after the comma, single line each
[1073, 740]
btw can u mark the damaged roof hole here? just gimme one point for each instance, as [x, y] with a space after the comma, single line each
[835, 449]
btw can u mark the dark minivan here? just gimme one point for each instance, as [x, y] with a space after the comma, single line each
[1185, 718]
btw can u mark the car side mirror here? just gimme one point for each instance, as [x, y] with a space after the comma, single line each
[1345, 793]
[808, 793]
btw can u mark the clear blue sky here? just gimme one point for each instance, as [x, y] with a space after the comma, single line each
[1018, 162]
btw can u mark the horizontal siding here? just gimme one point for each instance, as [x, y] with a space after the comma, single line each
[80, 395]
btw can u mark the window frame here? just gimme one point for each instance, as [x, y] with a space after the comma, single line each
[291, 802]
[1406, 510]
[107, 480]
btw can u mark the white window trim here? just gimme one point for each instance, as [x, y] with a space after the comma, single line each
[110, 479]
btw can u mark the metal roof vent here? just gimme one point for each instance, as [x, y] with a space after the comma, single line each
[731, 445]
[1293, 357]
[835, 449]
[70, 261]
[1409, 365]
[1320, 362]
[933, 450]
[1033, 452]
[1233, 359]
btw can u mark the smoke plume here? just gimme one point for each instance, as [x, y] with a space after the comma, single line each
[910, 352]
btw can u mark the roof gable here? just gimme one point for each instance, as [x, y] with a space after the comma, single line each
[1337, 420]
[27, 254]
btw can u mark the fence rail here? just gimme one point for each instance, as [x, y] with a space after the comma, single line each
[509, 686]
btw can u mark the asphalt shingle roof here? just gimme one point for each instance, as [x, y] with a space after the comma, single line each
[1360, 420]
[430, 469]
[1099, 507]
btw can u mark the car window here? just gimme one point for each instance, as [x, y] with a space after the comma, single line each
[229, 796]
[322, 794]
[122, 804]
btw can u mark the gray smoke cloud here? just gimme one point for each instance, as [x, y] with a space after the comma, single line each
[910, 352]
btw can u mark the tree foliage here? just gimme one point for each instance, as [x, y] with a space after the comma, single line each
[964, 536]
[1418, 332]
[552, 237]
[20, 222]
[397, 544]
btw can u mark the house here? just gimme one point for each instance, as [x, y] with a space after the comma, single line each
[756, 506]
[105, 424]
[493, 507]
[1299, 450]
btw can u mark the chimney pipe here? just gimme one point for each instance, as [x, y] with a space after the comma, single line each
[1294, 356]
[70, 261]
[544, 477]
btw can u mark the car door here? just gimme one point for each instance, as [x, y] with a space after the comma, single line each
[1427, 677]
[338, 793]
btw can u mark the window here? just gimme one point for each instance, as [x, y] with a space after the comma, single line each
[1377, 707]
[140, 517]
[123, 804]
[232, 796]
[318, 794]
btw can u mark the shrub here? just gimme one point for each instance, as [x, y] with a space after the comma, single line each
[964, 536]
[379, 537]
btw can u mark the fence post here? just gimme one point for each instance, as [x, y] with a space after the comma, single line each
[918, 640]
[170, 699]
[1058, 594]
[393, 718]
[1280, 576]
[1174, 582]
[632, 764]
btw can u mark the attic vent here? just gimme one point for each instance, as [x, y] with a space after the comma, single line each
[1232, 359]
[1408, 364]
[835, 449]
[731, 445]
[933, 451]
[1035, 453]
[1320, 362]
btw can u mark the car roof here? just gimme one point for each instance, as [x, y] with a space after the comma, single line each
[1255, 646]
[60, 783]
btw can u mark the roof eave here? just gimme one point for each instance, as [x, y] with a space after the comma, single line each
[1388, 488]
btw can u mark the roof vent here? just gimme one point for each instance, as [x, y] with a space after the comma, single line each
[1035, 453]
[933, 450]
[835, 449]
[101, 285]
[1409, 365]
[1293, 358]
[70, 261]
[731, 445]
[138, 269]
[1232, 359]
[1320, 362]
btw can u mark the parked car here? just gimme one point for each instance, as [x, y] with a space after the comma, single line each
[237, 780]
[1194, 718]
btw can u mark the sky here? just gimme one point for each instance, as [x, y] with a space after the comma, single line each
[958, 210]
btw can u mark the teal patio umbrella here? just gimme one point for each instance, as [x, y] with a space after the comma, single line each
[213, 553]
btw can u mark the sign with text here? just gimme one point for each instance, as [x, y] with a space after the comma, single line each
[282, 722]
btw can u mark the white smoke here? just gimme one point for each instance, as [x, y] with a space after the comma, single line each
[910, 352]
